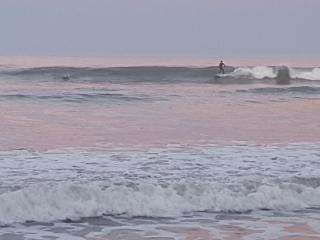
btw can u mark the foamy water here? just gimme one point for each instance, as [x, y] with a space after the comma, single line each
[159, 153]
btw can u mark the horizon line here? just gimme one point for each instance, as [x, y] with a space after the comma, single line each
[57, 60]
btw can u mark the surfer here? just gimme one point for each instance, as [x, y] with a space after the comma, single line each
[221, 67]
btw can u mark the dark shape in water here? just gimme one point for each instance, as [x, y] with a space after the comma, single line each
[66, 77]
[283, 76]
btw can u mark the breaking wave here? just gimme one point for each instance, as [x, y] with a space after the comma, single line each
[272, 72]
[254, 72]
[313, 74]
[155, 73]
[43, 203]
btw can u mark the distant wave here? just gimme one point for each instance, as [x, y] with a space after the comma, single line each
[293, 90]
[78, 97]
[45, 203]
[156, 73]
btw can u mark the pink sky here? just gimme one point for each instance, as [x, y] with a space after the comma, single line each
[29, 61]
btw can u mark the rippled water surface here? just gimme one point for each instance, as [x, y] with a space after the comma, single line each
[158, 160]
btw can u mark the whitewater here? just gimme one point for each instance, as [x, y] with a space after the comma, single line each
[159, 152]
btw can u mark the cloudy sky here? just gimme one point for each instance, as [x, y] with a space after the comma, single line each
[161, 28]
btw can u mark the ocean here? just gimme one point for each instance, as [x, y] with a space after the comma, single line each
[159, 153]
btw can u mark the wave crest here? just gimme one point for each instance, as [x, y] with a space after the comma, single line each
[158, 73]
[314, 74]
[254, 72]
[45, 203]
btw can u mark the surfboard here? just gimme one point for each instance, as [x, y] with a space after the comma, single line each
[219, 75]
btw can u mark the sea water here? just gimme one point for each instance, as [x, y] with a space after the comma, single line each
[158, 153]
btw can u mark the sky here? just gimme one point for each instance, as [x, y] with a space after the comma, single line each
[161, 28]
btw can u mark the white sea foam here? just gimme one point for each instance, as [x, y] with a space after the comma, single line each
[313, 74]
[258, 72]
[48, 203]
[261, 72]
[159, 182]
